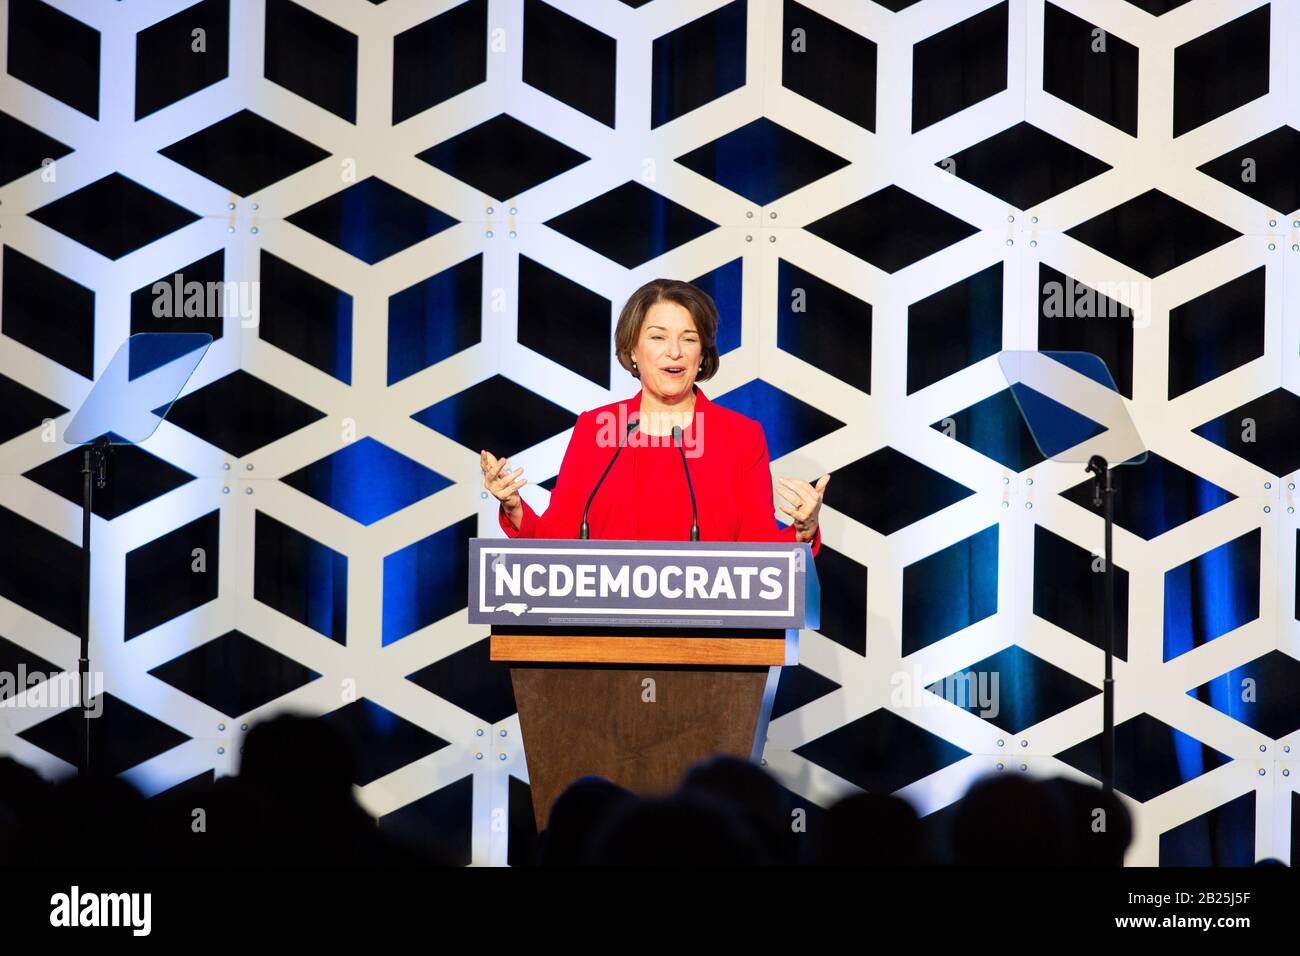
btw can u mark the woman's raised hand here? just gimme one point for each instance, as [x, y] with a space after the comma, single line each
[807, 501]
[504, 485]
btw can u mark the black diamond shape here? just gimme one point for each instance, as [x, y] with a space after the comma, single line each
[1221, 836]
[569, 60]
[522, 839]
[440, 58]
[891, 229]
[564, 321]
[311, 56]
[1154, 497]
[631, 224]
[470, 681]
[442, 822]
[828, 328]
[234, 674]
[26, 148]
[1262, 432]
[165, 578]
[244, 153]
[1221, 70]
[435, 318]
[1216, 332]
[1158, 7]
[367, 481]
[1101, 82]
[788, 423]
[1028, 690]
[114, 216]
[300, 577]
[1266, 169]
[306, 316]
[387, 741]
[697, 63]
[995, 428]
[426, 581]
[1024, 166]
[762, 161]
[1269, 703]
[120, 737]
[371, 220]
[725, 285]
[881, 752]
[844, 599]
[1153, 233]
[832, 66]
[1231, 570]
[40, 571]
[1150, 757]
[503, 157]
[797, 686]
[22, 669]
[22, 409]
[954, 328]
[468, 418]
[168, 68]
[1070, 592]
[960, 66]
[932, 607]
[48, 312]
[240, 413]
[1073, 317]
[136, 477]
[887, 490]
[55, 53]
[185, 302]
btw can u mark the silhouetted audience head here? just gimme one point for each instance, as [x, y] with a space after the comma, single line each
[23, 794]
[682, 830]
[1009, 821]
[869, 829]
[93, 820]
[755, 794]
[576, 813]
[296, 755]
[293, 804]
[1098, 827]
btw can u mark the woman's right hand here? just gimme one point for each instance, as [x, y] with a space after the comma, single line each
[503, 485]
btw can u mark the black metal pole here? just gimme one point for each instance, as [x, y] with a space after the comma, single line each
[94, 474]
[83, 662]
[1103, 494]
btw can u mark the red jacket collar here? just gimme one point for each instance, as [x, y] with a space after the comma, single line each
[632, 406]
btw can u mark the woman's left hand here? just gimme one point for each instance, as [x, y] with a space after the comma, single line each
[807, 501]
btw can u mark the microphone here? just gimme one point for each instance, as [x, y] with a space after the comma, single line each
[695, 515]
[584, 532]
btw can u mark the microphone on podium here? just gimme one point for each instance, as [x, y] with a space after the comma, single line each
[585, 532]
[695, 515]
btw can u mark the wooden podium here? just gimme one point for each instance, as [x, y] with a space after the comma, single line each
[641, 704]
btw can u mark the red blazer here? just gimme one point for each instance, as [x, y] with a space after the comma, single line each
[645, 497]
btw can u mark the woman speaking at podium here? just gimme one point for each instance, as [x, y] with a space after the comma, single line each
[645, 457]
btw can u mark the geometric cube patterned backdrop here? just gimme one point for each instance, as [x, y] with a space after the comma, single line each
[441, 206]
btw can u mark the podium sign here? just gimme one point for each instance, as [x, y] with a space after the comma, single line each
[587, 626]
[695, 584]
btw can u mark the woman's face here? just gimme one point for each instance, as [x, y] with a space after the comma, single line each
[668, 340]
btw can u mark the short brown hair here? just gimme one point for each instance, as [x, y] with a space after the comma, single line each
[690, 297]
